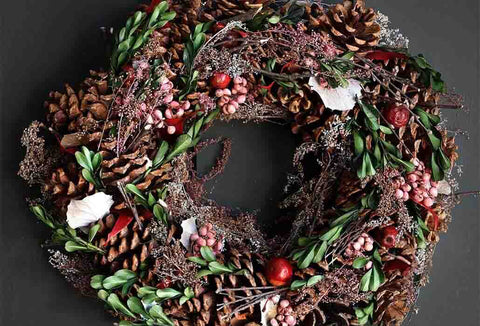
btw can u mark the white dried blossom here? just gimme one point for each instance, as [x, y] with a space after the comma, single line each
[390, 37]
[89, 210]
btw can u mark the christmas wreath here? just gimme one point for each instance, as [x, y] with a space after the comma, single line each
[371, 189]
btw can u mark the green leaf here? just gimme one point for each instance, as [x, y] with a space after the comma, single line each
[207, 254]
[298, 284]
[198, 260]
[82, 160]
[135, 305]
[274, 19]
[97, 161]
[314, 280]
[386, 130]
[360, 262]
[114, 301]
[143, 291]
[134, 190]
[93, 232]
[182, 300]
[189, 293]
[308, 258]
[211, 116]
[113, 282]
[372, 120]
[437, 173]
[204, 272]
[96, 282]
[71, 246]
[125, 274]
[181, 145]
[159, 213]
[377, 278]
[443, 160]
[88, 176]
[168, 293]
[377, 257]
[160, 156]
[370, 170]
[358, 143]
[320, 252]
[103, 295]
[365, 281]
[218, 268]
[434, 140]
[330, 233]
[409, 167]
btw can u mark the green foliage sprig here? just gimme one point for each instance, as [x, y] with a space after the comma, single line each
[337, 69]
[212, 266]
[374, 277]
[382, 152]
[123, 279]
[311, 281]
[151, 201]
[365, 314]
[313, 249]
[439, 162]
[65, 235]
[91, 163]
[428, 76]
[137, 31]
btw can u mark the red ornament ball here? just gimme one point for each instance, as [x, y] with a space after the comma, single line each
[397, 115]
[220, 80]
[279, 271]
[389, 235]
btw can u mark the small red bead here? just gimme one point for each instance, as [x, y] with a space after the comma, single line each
[220, 80]
[279, 271]
[397, 115]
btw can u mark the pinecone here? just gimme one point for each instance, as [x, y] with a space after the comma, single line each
[352, 25]
[83, 110]
[394, 299]
[225, 9]
[126, 250]
[203, 309]
[66, 183]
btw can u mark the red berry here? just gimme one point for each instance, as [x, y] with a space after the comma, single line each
[389, 235]
[397, 115]
[279, 271]
[220, 80]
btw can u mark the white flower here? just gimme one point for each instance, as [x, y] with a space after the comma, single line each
[340, 98]
[189, 227]
[90, 209]
[268, 308]
[444, 188]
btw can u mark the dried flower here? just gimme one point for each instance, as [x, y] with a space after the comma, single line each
[89, 210]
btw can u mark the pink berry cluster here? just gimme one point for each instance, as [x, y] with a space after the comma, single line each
[230, 99]
[284, 315]
[418, 186]
[206, 236]
[357, 247]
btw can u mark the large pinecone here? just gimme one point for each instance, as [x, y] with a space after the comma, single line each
[126, 250]
[203, 309]
[352, 25]
[84, 110]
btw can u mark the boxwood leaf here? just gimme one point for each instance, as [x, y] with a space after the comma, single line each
[207, 254]
[298, 284]
[96, 282]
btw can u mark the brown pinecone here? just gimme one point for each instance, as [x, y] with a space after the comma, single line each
[394, 299]
[225, 9]
[127, 249]
[83, 110]
[203, 309]
[352, 25]
[66, 183]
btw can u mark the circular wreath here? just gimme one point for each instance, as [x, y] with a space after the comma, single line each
[371, 190]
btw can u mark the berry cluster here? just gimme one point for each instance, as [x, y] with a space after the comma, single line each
[206, 236]
[284, 315]
[357, 247]
[229, 99]
[418, 186]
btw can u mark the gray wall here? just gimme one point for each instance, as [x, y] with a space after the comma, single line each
[45, 43]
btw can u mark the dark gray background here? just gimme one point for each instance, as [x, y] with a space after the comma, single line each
[47, 43]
